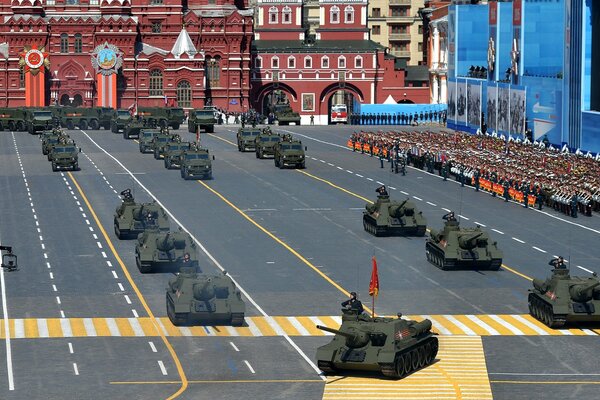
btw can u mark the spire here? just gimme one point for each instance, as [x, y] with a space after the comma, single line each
[183, 44]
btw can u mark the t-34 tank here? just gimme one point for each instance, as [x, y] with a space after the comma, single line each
[562, 298]
[386, 217]
[458, 248]
[132, 218]
[154, 249]
[394, 346]
[200, 299]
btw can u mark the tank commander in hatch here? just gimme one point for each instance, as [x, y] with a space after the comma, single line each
[382, 191]
[558, 263]
[186, 258]
[353, 304]
[449, 217]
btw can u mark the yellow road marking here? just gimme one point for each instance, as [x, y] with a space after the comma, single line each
[509, 269]
[176, 361]
[281, 242]
[221, 381]
[549, 382]
[223, 139]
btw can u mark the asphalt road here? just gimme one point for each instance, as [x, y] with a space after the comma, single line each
[293, 241]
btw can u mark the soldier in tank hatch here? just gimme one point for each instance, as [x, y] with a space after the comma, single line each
[353, 304]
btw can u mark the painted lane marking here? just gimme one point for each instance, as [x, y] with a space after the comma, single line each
[585, 269]
[463, 217]
[162, 367]
[359, 175]
[538, 249]
[121, 287]
[71, 348]
[518, 240]
[480, 224]
[75, 369]
[432, 204]
[497, 231]
[249, 366]
[447, 210]
[370, 179]
[153, 347]
[417, 198]
[234, 346]
[9, 365]
[127, 299]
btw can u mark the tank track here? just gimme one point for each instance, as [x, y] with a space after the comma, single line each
[143, 267]
[326, 366]
[176, 319]
[436, 257]
[542, 311]
[412, 359]
[237, 319]
[372, 228]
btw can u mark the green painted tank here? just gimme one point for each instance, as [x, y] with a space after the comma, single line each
[201, 299]
[563, 298]
[394, 346]
[155, 249]
[131, 218]
[386, 217]
[462, 248]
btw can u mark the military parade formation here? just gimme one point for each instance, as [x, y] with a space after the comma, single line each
[364, 342]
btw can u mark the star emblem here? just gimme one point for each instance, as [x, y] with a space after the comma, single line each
[33, 58]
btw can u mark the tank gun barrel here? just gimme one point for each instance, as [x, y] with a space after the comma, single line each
[469, 240]
[422, 327]
[335, 331]
[165, 242]
[583, 292]
[397, 210]
[540, 285]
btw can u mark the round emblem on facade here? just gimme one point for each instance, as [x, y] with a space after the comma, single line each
[34, 58]
[107, 59]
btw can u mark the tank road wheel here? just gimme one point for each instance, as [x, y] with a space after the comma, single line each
[422, 356]
[407, 363]
[237, 319]
[400, 371]
[144, 268]
[11, 125]
[416, 361]
[434, 349]
[428, 356]
[94, 125]
[70, 125]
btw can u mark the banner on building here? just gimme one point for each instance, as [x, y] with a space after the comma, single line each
[503, 119]
[461, 102]
[34, 62]
[492, 39]
[474, 104]
[106, 60]
[492, 107]
[452, 101]
[517, 110]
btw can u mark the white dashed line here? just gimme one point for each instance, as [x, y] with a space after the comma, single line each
[585, 269]
[249, 366]
[404, 193]
[95, 236]
[71, 348]
[359, 175]
[234, 346]
[463, 217]
[99, 245]
[51, 275]
[75, 369]
[497, 231]
[135, 314]
[127, 299]
[108, 263]
[417, 198]
[393, 188]
[330, 164]
[58, 300]
[162, 367]
[54, 288]
[115, 274]
[369, 179]
[538, 249]
[348, 171]
[480, 224]
[432, 204]
[104, 255]
[121, 287]
[518, 240]
[340, 168]
[62, 314]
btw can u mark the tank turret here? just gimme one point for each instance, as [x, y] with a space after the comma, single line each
[469, 241]
[393, 346]
[563, 298]
[399, 210]
[386, 217]
[169, 249]
[131, 218]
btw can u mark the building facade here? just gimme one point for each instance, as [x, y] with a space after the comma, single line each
[437, 50]
[186, 53]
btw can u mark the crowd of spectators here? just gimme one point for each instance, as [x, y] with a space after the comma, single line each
[543, 175]
[413, 119]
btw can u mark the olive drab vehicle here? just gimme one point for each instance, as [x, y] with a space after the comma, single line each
[200, 299]
[119, 120]
[202, 119]
[38, 120]
[12, 119]
[162, 117]
[458, 248]
[145, 139]
[563, 299]
[387, 217]
[50, 139]
[93, 117]
[133, 128]
[285, 115]
[159, 145]
[394, 346]
[196, 163]
[246, 138]
[173, 152]
[265, 143]
[155, 249]
[289, 153]
[64, 155]
[133, 218]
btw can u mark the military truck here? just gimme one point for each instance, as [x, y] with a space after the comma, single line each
[38, 120]
[51, 140]
[265, 143]
[84, 118]
[196, 164]
[202, 119]
[133, 128]
[246, 138]
[155, 249]
[160, 143]
[387, 217]
[200, 299]
[145, 139]
[64, 156]
[172, 153]
[289, 152]
[119, 120]
[394, 346]
[563, 299]
[13, 119]
[285, 115]
[131, 218]
[162, 116]
[457, 248]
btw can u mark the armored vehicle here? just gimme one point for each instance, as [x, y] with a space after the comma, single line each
[145, 139]
[457, 248]
[387, 217]
[51, 139]
[246, 138]
[64, 156]
[196, 164]
[200, 299]
[132, 218]
[394, 346]
[162, 116]
[38, 120]
[265, 143]
[84, 118]
[119, 120]
[285, 115]
[202, 119]
[289, 152]
[159, 144]
[563, 298]
[133, 128]
[12, 119]
[173, 152]
[154, 249]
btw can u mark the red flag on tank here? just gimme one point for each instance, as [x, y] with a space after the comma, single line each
[374, 284]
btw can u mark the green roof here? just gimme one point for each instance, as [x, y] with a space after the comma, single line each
[319, 46]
